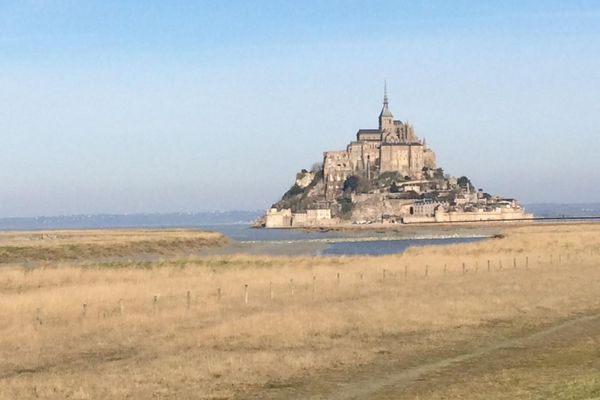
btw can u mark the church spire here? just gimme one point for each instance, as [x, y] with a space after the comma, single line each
[385, 98]
[385, 112]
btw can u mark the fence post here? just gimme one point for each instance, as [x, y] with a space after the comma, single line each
[83, 310]
[246, 294]
[463, 268]
[488, 263]
[338, 279]
[514, 263]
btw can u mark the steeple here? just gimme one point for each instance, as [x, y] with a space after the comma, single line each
[385, 112]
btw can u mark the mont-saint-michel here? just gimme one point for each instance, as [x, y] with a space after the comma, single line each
[387, 175]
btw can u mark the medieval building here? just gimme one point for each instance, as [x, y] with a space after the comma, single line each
[386, 176]
[392, 147]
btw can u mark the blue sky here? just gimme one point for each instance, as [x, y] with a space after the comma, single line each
[149, 106]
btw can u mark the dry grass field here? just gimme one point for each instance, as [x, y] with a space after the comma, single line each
[505, 318]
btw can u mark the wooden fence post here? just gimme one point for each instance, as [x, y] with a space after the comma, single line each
[246, 294]
[83, 310]
[338, 279]
[464, 269]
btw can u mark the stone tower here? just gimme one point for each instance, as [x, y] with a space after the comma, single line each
[386, 119]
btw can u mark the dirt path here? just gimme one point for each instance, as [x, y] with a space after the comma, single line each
[390, 383]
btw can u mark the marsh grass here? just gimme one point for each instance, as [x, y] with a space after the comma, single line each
[74, 245]
[300, 319]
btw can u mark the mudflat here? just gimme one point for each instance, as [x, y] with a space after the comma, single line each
[517, 316]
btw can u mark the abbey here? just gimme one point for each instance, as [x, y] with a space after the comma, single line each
[387, 175]
[392, 147]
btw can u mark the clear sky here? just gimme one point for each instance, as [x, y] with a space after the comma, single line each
[155, 106]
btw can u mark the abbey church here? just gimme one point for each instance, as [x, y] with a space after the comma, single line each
[393, 147]
[387, 175]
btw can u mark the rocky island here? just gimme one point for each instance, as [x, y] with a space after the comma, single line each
[387, 175]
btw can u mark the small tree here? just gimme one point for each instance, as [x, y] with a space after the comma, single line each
[463, 182]
[346, 207]
[351, 183]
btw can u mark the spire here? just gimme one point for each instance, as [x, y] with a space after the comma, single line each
[385, 112]
[385, 98]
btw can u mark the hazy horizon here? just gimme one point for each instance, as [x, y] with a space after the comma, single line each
[121, 108]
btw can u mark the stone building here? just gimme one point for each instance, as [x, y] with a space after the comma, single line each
[392, 147]
[285, 218]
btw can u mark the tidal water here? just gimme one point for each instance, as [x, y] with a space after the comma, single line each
[337, 243]
[236, 225]
[383, 247]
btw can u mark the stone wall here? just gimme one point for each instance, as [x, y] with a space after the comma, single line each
[279, 219]
[499, 214]
[404, 158]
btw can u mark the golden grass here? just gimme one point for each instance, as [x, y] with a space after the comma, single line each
[128, 346]
[27, 246]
